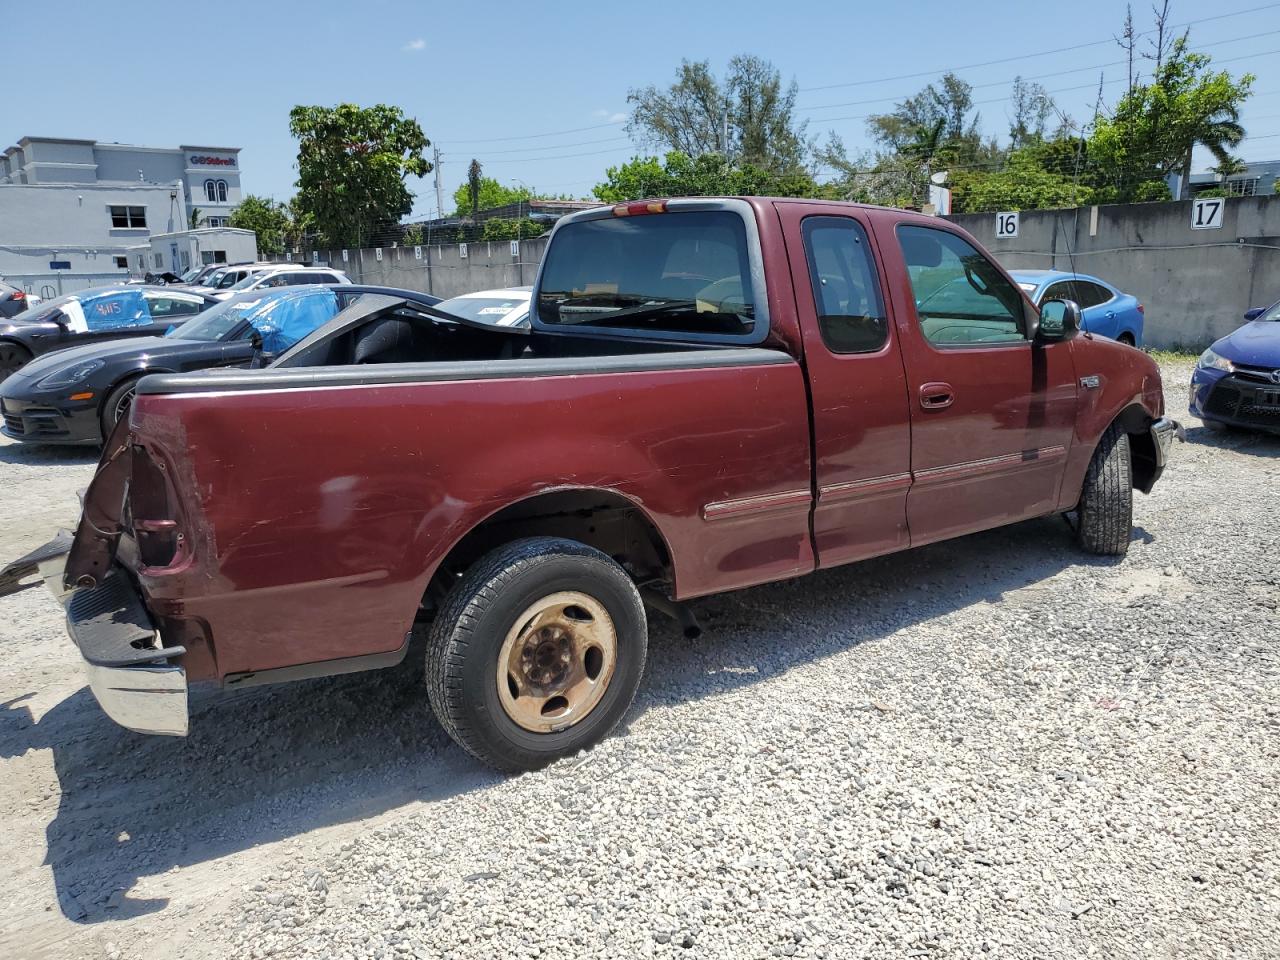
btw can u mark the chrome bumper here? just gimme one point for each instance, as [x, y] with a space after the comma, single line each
[128, 670]
[1163, 431]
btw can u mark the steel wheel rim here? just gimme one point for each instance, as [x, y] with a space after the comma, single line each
[556, 662]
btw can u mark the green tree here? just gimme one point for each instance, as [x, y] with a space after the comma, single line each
[1022, 184]
[266, 218]
[193, 218]
[492, 194]
[748, 118]
[707, 175]
[474, 175]
[352, 165]
[1157, 126]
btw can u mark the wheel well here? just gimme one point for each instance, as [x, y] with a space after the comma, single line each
[1142, 446]
[127, 378]
[599, 518]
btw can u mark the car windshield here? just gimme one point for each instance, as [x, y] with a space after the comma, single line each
[191, 274]
[1272, 313]
[217, 322]
[486, 309]
[1028, 287]
[44, 307]
[683, 273]
[248, 281]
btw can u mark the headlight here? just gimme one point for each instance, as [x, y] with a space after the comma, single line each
[1211, 361]
[72, 374]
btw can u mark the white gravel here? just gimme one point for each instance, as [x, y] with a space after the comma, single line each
[994, 746]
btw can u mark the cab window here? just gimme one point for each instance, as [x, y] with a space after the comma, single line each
[851, 315]
[164, 306]
[961, 298]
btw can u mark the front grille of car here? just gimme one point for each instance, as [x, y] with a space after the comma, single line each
[1245, 401]
[34, 421]
[1254, 373]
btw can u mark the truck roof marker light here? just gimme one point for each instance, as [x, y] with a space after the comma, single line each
[639, 207]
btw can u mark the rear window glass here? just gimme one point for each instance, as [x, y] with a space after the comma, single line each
[670, 273]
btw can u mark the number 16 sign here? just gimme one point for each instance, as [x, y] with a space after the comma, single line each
[1006, 225]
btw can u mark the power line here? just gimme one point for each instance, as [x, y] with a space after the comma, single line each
[1045, 76]
[1028, 56]
[554, 146]
[552, 133]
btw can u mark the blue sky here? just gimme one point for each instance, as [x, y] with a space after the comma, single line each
[536, 90]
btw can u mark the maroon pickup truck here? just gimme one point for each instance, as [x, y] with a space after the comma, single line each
[715, 393]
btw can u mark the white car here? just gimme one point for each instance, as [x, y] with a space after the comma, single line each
[503, 308]
[224, 278]
[277, 276]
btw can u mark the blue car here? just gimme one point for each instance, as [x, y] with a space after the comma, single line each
[1104, 310]
[1237, 380]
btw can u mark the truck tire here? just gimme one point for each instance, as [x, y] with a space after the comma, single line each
[536, 653]
[1106, 499]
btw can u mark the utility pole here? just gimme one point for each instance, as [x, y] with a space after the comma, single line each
[435, 160]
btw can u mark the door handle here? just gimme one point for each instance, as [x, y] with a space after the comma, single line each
[936, 396]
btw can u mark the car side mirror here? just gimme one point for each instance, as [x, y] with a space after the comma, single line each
[1254, 313]
[1059, 320]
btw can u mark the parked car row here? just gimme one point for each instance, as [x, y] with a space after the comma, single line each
[710, 394]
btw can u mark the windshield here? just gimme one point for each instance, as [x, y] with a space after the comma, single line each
[493, 310]
[1272, 312]
[42, 308]
[1028, 287]
[227, 280]
[248, 281]
[217, 322]
[673, 273]
[191, 274]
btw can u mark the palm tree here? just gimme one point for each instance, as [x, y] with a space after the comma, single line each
[923, 148]
[1217, 133]
[193, 219]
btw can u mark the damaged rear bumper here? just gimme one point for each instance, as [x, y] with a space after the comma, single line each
[129, 670]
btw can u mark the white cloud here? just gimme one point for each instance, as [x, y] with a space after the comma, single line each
[609, 115]
[415, 46]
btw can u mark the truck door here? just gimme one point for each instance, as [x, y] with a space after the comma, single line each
[861, 435]
[992, 414]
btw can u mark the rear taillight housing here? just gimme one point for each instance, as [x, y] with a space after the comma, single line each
[18, 295]
[153, 515]
[1142, 310]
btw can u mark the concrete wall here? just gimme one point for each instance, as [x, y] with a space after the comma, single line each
[1195, 284]
[442, 270]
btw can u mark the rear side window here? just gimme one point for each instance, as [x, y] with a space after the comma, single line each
[850, 309]
[665, 274]
[1092, 294]
[961, 298]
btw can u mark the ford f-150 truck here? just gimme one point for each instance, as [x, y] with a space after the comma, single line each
[714, 393]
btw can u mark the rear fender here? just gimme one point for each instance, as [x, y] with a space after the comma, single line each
[97, 535]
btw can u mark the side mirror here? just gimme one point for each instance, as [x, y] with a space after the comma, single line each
[1254, 313]
[1059, 320]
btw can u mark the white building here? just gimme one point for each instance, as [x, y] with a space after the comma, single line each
[178, 252]
[71, 209]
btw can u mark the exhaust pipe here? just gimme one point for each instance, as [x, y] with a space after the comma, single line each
[678, 612]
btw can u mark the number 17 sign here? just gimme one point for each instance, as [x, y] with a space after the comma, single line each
[1207, 214]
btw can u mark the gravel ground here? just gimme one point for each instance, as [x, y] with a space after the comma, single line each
[991, 746]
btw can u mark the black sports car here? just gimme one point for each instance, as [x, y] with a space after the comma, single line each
[77, 396]
[90, 316]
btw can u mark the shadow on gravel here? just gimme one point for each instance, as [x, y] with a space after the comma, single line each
[1250, 442]
[271, 763]
[47, 455]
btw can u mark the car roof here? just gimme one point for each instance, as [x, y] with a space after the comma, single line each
[1043, 276]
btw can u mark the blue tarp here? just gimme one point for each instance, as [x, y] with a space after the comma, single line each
[284, 321]
[120, 308]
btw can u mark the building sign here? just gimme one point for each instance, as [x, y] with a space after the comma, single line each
[213, 161]
[1207, 214]
[59, 264]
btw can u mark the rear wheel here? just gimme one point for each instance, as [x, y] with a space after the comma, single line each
[1127, 339]
[117, 405]
[1106, 499]
[536, 653]
[13, 357]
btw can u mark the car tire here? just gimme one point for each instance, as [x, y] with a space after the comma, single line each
[117, 404]
[1105, 512]
[13, 357]
[514, 614]
[1127, 339]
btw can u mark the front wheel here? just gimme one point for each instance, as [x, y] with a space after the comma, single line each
[117, 406]
[536, 653]
[13, 357]
[1106, 499]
